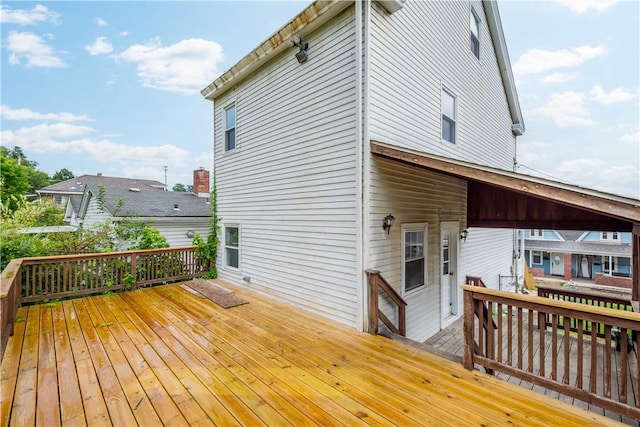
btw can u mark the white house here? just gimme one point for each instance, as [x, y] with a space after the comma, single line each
[319, 134]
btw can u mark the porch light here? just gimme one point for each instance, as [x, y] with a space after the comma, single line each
[301, 55]
[463, 235]
[387, 222]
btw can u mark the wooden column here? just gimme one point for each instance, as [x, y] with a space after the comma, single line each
[635, 263]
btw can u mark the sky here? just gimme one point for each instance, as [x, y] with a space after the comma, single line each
[114, 87]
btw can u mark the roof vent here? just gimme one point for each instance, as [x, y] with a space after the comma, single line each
[176, 207]
[134, 190]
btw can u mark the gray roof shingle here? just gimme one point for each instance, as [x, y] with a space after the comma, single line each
[77, 185]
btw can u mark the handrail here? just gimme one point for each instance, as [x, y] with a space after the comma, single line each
[376, 283]
[569, 360]
[43, 278]
[475, 281]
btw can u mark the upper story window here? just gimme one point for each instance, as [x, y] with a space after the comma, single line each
[230, 128]
[448, 116]
[611, 236]
[474, 24]
[536, 234]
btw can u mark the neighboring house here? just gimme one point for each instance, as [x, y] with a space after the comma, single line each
[317, 134]
[63, 191]
[603, 256]
[177, 216]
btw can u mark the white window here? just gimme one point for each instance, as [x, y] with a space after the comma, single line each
[474, 24]
[57, 200]
[609, 264]
[536, 234]
[448, 106]
[611, 236]
[536, 257]
[414, 261]
[230, 128]
[232, 246]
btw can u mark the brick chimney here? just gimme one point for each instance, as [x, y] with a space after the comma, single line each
[201, 182]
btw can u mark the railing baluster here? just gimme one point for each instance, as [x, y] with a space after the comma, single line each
[580, 354]
[510, 335]
[531, 346]
[593, 375]
[624, 360]
[499, 332]
[607, 360]
[567, 344]
[542, 325]
[554, 347]
[519, 337]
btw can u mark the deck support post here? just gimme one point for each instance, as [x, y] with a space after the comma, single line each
[469, 339]
[635, 263]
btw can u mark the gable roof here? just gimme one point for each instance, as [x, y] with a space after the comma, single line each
[78, 184]
[147, 203]
[318, 13]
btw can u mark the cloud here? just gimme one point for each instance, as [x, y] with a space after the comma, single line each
[184, 67]
[73, 139]
[559, 77]
[100, 22]
[39, 13]
[101, 46]
[621, 179]
[631, 137]
[582, 6]
[538, 61]
[566, 109]
[31, 49]
[9, 113]
[124, 33]
[619, 94]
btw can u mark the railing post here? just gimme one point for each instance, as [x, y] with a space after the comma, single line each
[468, 329]
[372, 276]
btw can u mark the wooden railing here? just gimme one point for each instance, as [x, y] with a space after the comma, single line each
[378, 283]
[39, 279]
[579, 364]
[592, 297]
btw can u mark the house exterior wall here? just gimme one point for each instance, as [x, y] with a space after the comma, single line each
[175, 230]
[416, 51]
[412, 196]
[290, 185]
[596, 236]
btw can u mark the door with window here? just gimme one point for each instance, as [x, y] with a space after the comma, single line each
[448, 269]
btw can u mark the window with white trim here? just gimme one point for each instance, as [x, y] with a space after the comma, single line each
[232, 246]
[414, 260]
[536, 257]
[448, 106]
[57, 200]
[536, 234]
[609, 264]
[474, 33]
[230, 128]
[611, 236]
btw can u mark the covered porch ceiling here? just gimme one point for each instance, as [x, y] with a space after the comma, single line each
[503, 199]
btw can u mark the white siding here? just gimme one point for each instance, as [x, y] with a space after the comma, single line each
[412, 195]
[291, 182]
[413, 53]
[93, 215]
[176, 231]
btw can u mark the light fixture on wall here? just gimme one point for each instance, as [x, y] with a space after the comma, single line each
[387, 222]
[463, 235]
[301, 55]
[190, 234]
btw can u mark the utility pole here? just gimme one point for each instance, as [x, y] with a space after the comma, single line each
[166, 188]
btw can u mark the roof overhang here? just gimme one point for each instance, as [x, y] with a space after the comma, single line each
[502, 199]
[315, 15]
[502, 56]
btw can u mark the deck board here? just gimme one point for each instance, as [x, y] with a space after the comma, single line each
[163, 356]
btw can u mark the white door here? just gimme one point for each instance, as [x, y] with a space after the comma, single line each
[557, 264]
[448, 268]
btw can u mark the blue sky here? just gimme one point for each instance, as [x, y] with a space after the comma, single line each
[113, 87]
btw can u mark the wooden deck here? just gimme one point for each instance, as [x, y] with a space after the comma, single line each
[451, 341]
[163, 356]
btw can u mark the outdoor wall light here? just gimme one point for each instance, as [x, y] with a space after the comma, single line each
[301, 55]
[463, 234]
[190, 234]
[387, 222]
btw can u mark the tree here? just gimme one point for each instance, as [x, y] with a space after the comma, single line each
[62, 175]
[179, 188]
[14, 184]
[37, 179]
[189, 188]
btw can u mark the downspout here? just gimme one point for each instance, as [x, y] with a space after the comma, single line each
[366, 153]
[361, 278]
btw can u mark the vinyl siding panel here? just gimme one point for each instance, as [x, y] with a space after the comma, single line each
[290, 184]
[412, 195]
[176, 231]
[413, 53]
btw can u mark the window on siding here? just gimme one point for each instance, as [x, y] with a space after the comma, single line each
[232, 246]
[57, 200]
[230, 128]
[474, 24]
[610, 235]
[536, 257]
[609, 264]
[414, 262]
[448, 116]
[536, 234]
